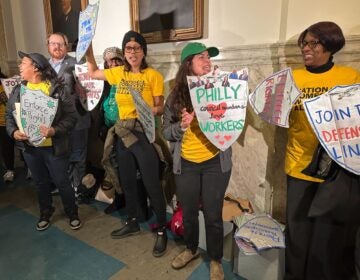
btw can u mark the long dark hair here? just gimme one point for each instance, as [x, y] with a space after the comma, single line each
[48, 73]
[180, 94]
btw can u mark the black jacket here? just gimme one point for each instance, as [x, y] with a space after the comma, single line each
[64, 121]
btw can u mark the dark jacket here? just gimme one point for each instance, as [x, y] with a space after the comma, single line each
[64, 121]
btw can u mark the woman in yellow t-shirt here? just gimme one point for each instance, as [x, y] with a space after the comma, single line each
[317, 247]
[202, 171]
[48, 162]
[133, 150]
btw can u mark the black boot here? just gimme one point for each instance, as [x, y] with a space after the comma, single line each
[131, 228]
[118, 203]
[160, 243]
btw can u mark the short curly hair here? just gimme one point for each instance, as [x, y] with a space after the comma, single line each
[328, 33]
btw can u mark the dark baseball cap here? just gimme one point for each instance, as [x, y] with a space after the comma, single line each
[39, 60]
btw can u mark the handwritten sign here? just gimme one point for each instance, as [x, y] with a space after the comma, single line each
[36, 108]
[335, 119]
[88, 89]
[263, 232]
[145, 114]
[220, 106]
[9, 83]
[273, 98]
[87, 26]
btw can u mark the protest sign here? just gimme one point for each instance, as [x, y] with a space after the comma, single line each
[9, 83]
[36, 108]
[261, 231]
[87, 26]
[88, 89]
[335, 119]
[273, 98]
[220, 106]
[145, 114]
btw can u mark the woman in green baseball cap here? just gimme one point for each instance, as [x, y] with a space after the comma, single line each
[202, 171]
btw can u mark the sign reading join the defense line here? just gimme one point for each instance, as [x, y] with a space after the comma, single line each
[145, 114]
[87, 26]
[88, 89]
[36, 108]
[9, 83]
[273, 98]
[220, 105]
[335, 118]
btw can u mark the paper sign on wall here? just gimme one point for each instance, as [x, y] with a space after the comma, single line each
[87, 26]
[335, 119]
[36, 108]
[88, 89]
[274, 96]
[9, 83]
[220, 106]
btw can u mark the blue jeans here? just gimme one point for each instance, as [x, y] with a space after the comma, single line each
[46, 168]
[206, 184]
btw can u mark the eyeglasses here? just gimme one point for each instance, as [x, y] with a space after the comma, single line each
[53, 44]
[311, 44]
[131, 49]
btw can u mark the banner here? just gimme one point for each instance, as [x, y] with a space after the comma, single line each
[335, 119]
[220, 106]
[36, 108]
[273, 98]
[87, 26]
[145, 114]
[9, 83]
[88, 89]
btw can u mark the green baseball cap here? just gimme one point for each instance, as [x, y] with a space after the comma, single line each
[196, 48]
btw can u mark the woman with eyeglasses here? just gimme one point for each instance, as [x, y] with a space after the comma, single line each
[317, 247]
[133, 150]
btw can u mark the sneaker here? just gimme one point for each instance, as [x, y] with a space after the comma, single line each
[184, 258]
[75, 222]
[131, 227]
[28, 174]
[160, 243]
[9, 176]
[44, 221]
[216, 271]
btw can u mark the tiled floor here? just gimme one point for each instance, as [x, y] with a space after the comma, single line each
[89, 253]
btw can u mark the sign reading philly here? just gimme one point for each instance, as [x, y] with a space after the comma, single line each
[335, 119]
[36, 108]
[87, 26]
[220, 106]
[273, 98]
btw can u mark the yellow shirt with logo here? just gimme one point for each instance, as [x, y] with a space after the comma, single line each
[195, 146]
[149, 83]
[302, 141]
[45, 88]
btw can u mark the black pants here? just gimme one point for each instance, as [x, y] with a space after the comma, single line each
[316, 248]
[206, 184]
[46, 168]
[7, 149]
[142, 156]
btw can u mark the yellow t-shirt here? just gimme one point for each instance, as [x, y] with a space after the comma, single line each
[45, 88]
[195, 146]
[2, 108]
[149, 83]
[302, 141]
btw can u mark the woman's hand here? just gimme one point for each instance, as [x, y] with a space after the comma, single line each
[186, 119]
[20, 136]
[47, 131]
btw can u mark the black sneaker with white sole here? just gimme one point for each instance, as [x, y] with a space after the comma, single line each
[75, 222]
[44, 221]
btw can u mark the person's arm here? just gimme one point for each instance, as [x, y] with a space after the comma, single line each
[93, 69]
[158, 108]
